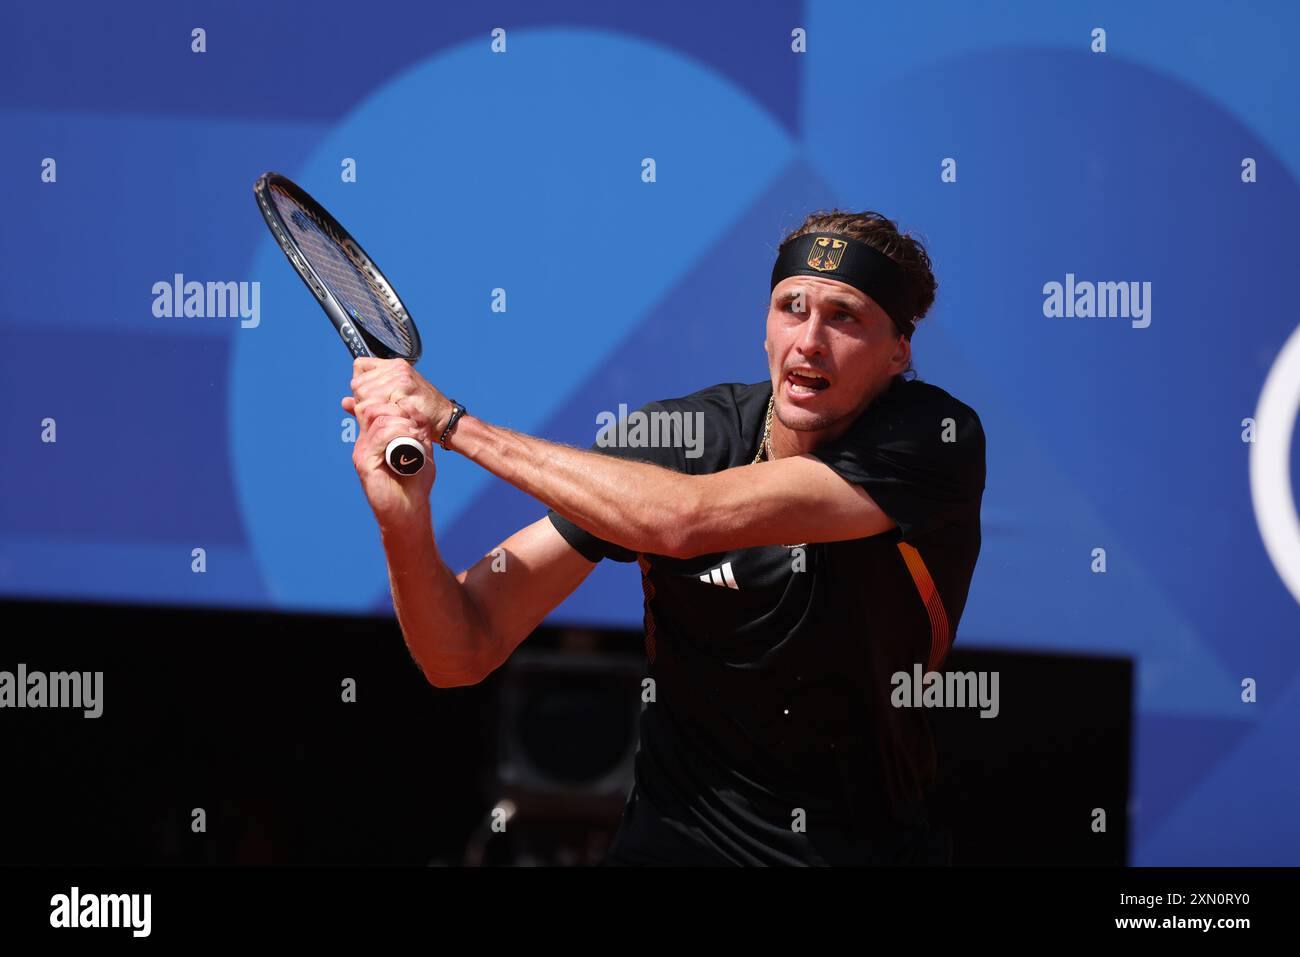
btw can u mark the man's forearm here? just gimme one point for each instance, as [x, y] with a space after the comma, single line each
[643, 507]
[442, 626]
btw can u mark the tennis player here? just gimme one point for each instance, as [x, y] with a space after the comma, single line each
[822, 542]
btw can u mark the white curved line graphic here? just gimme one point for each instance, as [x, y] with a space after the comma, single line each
[1270, 464]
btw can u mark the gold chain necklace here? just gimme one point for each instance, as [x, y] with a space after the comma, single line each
[767, 430]
[763, 447]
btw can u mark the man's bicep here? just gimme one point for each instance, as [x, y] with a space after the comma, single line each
[791, 500]
[840, 509]
[521, 581]
[924, 471]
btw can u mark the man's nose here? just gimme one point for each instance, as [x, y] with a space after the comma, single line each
[812, 336]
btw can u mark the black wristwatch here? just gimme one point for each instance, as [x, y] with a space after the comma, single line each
[457, 411]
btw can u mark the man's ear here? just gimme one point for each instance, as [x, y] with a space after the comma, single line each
[902, 356]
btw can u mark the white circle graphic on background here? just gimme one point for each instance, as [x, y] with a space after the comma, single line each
[1270, 464]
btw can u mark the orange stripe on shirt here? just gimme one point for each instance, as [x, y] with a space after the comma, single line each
[648, 591]
[940, 636]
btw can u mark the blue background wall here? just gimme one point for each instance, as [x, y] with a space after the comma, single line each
[478, 170]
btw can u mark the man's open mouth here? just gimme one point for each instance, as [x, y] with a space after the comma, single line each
[806, 382]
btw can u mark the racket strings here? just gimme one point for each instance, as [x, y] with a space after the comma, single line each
[355, 286]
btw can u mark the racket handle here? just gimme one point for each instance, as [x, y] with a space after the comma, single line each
[405, 456]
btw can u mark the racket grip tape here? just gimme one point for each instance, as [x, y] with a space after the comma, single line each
[404, 455]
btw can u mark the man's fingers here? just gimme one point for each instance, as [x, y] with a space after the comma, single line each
[387, 428]
[382, 430]
[366, 363]
[364, 381]
[370, 373]
[363, 377]
[369, 412]
[349, 405]
[366, 372]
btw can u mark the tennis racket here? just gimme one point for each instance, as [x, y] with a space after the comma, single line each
[348, 285]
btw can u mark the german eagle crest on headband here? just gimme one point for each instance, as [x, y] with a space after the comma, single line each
[826, 254]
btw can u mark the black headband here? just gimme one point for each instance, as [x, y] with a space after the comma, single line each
[847, 260]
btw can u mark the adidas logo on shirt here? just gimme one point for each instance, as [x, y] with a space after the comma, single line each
[720, 576]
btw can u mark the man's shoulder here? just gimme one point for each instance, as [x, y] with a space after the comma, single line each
[920, 392]
[911, 398]
[729, 417]
[724, 397]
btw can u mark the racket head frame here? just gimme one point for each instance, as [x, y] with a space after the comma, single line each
[358, 342]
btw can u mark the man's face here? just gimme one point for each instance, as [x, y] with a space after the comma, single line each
[830, 351]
